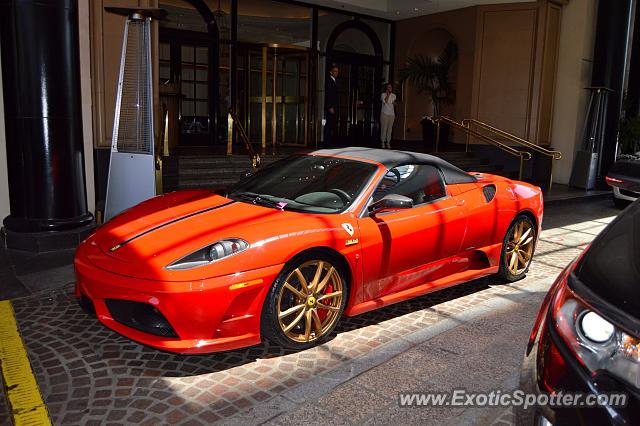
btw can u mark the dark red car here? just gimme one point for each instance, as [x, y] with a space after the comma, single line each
[624, 179]
[586, 338]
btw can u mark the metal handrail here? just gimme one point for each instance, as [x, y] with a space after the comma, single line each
[523, 155]
[161, 149]
[556, 155]
[253, 155]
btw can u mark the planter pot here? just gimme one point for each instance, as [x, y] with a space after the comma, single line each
[429, 131]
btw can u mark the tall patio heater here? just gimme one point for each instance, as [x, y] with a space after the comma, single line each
[587, 160]
[132, 163]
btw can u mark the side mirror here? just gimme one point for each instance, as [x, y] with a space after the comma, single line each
[390, 202]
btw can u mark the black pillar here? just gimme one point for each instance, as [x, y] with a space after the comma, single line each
[43, 117]
[233, 52]
[312, 72]
[609, 62]
[233, 62]
[633, 85]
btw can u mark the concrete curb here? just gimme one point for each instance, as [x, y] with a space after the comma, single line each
[327, 382]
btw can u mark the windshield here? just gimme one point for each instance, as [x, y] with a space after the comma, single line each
[611, 266]
[307, 183]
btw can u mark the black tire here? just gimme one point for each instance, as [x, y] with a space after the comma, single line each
[270, 324]
[504, 270]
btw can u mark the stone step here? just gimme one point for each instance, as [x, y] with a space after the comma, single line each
[197, 179]
[485, 168]
[213, 172]
[221, 168]
[453, 154]
[197, 185]
[199, 171]
[182, 160]
[470, 162]
[212, 167]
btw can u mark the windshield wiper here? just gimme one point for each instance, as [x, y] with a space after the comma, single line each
[259, 200]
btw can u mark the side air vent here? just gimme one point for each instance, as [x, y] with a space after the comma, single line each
[141, 316]
[489, 192]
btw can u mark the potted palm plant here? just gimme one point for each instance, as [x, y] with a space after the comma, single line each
[430, 76]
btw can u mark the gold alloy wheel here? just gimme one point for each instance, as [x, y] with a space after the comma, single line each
[520, 247]
[309, 301]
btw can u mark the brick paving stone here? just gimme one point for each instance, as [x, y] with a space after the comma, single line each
[209, 417]
[116, 415]
[192, 422]
[228, 411]
[175, 416]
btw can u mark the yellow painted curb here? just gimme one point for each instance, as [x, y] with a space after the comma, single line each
[22, 391]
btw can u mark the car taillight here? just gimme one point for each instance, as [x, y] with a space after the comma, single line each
[545, 303]
[611, 180]
[555, 367]
[597, 343]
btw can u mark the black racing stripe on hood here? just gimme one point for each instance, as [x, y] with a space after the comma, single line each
[117, 246]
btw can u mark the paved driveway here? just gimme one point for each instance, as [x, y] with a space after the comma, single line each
[471, 336]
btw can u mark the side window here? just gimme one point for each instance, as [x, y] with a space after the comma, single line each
[420, 182]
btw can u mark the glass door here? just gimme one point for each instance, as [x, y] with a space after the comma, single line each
[365, 103]
[194, 104]
[275, 102]
[358, 91]
[292, 98]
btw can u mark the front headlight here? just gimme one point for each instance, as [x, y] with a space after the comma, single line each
[211, 253]
[597, 343]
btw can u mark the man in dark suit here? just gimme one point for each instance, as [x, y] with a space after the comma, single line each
[331, 106]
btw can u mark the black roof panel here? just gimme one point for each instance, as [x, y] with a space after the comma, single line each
[391, 158]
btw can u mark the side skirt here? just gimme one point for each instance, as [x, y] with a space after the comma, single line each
[420, 290]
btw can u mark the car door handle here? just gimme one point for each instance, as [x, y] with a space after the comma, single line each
[459, 202]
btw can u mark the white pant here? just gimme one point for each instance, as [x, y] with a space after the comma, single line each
[386, 127]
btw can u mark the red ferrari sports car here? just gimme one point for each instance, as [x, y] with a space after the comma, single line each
[286, 252]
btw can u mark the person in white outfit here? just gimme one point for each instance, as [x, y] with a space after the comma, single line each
[387, 115]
